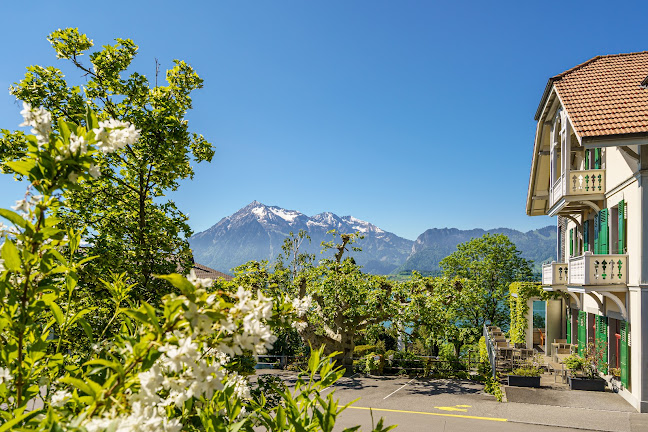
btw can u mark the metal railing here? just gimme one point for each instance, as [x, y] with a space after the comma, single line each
[490, 348]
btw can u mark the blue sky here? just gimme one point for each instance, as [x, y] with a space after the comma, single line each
[408, 114]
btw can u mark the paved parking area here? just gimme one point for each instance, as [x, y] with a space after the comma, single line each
[459, 405]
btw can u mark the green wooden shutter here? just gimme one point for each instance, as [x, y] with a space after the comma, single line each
[587, 159]
[568, 319]
[571, 242]
[586, 236]
[601, 341]
[596, 233]
[582, 332]
[597, 158]
[622, 228]
[604, 232]
[624, 360]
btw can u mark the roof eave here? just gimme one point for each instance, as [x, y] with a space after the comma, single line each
[637, 138]
[545, 95]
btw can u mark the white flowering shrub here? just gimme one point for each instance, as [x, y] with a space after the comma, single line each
[167, 370]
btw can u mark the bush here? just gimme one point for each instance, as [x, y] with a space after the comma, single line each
[492, 386]
[363, 350]
[268, 388]
[372, 365]
[574, 362]
[483, 351]
[527, 371]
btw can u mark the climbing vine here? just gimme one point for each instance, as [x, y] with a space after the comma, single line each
[519, 293]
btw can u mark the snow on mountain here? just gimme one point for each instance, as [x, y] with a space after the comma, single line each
[257, 231]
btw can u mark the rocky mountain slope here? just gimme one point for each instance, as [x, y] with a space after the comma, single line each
[435, 244]
[257, 231]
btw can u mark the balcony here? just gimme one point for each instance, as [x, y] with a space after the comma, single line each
[578, 185]
[598, 270]
[554, 274]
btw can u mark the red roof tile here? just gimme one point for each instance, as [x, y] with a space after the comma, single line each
[604, 95]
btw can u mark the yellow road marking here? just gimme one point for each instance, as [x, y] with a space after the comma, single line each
[432, 414]
[451, 409]
[464, 406]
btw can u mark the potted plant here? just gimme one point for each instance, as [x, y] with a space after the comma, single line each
[527, 375]
[584, 372]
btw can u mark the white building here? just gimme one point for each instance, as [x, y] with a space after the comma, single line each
[590, 169]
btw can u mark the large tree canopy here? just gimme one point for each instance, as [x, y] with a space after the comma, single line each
[488, 265]
[128, 223]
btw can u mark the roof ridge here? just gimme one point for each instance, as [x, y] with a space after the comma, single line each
[592, 60]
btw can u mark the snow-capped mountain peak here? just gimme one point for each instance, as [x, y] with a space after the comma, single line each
[257, 231]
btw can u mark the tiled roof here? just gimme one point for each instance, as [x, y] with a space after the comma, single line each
[604, 95]
[209, 273]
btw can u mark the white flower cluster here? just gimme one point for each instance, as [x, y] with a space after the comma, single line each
[39, 119]
[5, 376]
[25, 205]
[253, 335]
[142, 419]
[199, 282]
[113, 135]
[240, 384]
[302, 306]
[189, 367]
[60, 397]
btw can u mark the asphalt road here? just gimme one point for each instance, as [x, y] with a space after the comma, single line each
[460, 405]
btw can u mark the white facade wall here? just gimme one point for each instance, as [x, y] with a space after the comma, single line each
[623, 182]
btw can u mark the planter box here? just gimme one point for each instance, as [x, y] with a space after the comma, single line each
[587, 384]
[523, 381]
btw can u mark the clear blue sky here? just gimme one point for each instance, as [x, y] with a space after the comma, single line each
[408, 114]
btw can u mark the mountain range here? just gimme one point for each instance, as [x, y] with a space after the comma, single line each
[257, 232]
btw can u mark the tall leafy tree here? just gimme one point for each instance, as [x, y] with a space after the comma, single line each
[488, 266]
[129, 224]
[346, 300]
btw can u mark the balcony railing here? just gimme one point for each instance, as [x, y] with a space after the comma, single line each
[554, 273]
[590, 269]
[578, 183]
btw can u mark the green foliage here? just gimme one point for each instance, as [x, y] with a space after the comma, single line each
[531, 367]
[288, 343]
[242, 364]
[483, 351]
[574, 362]
[492, 386]
[129, 226]
[589, 365]
[489, 265]
[519, 294]
[306, 409]
[165, 367]
[362, 350]
[527, 371]
[268, 391]
[438, 310]
[347, 301]
[372, 363]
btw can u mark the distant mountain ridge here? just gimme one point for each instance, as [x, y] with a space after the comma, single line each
[257, 232]
[435, 244]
